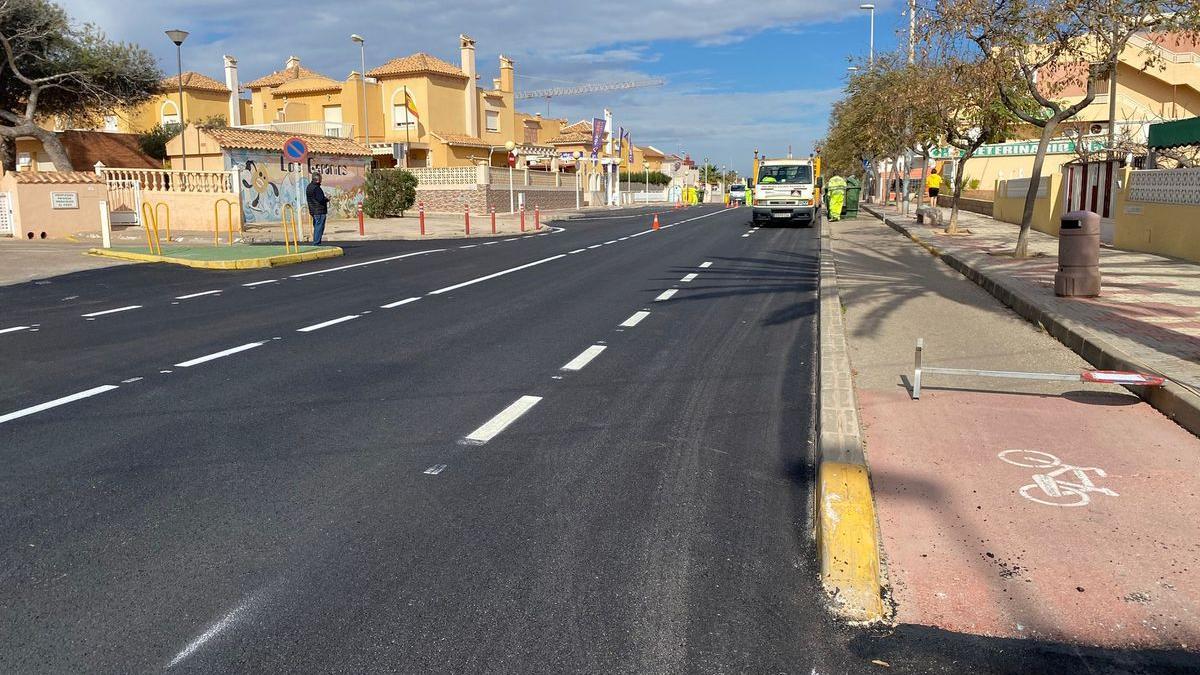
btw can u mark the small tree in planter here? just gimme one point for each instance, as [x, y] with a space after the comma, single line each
[389, 192]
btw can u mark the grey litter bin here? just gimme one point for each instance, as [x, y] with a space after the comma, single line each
[1078, 256]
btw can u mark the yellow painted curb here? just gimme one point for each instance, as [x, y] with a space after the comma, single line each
[846, 542]
[239, 264]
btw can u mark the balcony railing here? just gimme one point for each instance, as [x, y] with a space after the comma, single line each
[307, 127]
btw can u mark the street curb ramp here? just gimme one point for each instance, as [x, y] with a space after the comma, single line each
[1177, 402]
[846, 531]
[236, 264]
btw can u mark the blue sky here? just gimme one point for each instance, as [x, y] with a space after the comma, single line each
[739, 76]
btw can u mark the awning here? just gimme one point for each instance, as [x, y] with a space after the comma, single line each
[1175, 134]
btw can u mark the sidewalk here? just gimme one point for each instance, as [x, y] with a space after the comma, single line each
[1147, 317]
[971, 541]
[22, 261]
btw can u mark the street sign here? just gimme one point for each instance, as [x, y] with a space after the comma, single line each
[295, 150]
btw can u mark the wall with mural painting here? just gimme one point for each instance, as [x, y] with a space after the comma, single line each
[267, 182]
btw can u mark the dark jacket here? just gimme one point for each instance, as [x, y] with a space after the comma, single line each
[318, 203]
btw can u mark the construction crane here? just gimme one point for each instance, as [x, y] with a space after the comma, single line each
[587, 89]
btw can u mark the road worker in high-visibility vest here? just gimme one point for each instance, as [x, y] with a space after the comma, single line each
[837, 196]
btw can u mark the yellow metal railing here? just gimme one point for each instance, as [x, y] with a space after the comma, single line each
[217, 220]
[163, 205]
[291, 229]
[150, 222]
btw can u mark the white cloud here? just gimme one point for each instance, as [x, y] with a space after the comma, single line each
[573, 41]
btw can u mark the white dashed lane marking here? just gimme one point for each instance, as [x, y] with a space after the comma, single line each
[666, 295]
[398, 303]
[217, 355]
[56, 402]
[260, 283]
[326, 324]
[500, 422]
[689, 277]
[585, 357]
[196, 295]
[634, 319]
[705, 265]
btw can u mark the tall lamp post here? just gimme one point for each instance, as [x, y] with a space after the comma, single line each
[178, 36]
[363, 113]
[870, 7]
[578, 155]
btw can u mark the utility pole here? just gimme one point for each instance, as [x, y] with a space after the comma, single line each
[608, 148]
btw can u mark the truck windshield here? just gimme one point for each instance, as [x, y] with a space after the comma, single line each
[786, 173]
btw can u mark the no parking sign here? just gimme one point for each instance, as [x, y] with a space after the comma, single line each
[295, 150]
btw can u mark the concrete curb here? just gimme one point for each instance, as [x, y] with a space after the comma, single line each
[240, 264]
[1173, 400]
[845, 520]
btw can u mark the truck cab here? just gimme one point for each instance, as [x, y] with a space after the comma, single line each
[785, 190]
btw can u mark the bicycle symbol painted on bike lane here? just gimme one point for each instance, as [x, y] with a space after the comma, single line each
[1048, 488]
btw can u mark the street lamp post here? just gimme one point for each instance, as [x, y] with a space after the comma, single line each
[578, 155]
[871, 8]
[364, 114]
[512, 202]
[178, 36]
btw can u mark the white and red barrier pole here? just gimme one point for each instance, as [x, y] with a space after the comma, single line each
[537, 218]
[493, 220]
[361, 229]
[421, 216]
[467, 217]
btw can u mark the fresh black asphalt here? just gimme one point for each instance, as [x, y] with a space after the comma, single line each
[270, 511]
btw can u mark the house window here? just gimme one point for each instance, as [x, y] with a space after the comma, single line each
[333, 120]
[493, 120]
[402, 117]
[170, 113]
[531, 134]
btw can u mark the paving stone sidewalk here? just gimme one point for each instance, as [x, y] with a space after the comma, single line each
[1146, 318]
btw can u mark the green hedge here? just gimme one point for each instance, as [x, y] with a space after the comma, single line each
[389, 192]
[655, 177]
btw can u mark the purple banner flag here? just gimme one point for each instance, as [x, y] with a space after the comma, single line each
[597, 135]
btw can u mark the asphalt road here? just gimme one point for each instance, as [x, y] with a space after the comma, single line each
[515, 456]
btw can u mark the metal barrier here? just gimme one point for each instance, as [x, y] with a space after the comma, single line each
[1121, 377]
[150, 222]
[291, 227]
[217, 220]
[163, 205]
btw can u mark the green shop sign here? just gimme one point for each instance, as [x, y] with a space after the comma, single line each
[1019, 148]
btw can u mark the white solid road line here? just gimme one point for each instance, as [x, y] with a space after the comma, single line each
[217, 355]
[666, 295]
[635, 319]
[369, 262]
[260, 283]
[610, 242]
[111, 311]
[501, 273]
[500, 422]
[489, 243]
[585, 357]
[13, 329]
[324, 324]
[689, 277]
[595, 245]
[640, 233]
[397, 303]
[578, 250]
[56, 402]
[196, 295]
[469, 246]
[705, 265]
[513, 239]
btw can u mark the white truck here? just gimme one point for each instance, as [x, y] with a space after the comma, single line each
[787, 190]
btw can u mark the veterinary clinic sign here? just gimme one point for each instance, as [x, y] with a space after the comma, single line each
[1020, 149]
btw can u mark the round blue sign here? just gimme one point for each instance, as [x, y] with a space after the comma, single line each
[295, 149]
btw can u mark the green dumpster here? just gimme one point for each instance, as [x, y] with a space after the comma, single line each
[853, 189]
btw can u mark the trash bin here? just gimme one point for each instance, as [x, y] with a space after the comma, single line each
[853, 190]
[1078, 273]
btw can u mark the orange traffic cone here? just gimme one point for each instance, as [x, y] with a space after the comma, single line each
[655, 225]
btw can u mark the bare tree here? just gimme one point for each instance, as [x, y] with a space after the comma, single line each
[53, 69]
[1059, 49]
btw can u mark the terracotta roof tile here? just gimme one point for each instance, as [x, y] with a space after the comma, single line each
[462, 139]
[58, 177]
[415, 64]
[573, 137]
[193, 81]
[581, 125]
[255, 139]
[280, 76]
[85, 148]
[308, 84]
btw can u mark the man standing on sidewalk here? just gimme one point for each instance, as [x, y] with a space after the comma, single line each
[318, 207]
[934, 184]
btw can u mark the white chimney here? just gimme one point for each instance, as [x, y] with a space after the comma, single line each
[471, 97]
[231, 81]
[292, 62]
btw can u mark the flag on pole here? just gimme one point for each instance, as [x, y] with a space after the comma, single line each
[410, 105]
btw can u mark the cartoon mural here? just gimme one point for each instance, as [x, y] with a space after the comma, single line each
[268, 182]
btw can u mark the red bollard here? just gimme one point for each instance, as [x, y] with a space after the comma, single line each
[467, 217]
[537, 218]
[493, 220]
[522, 218]
[361, 231]
[421, 216]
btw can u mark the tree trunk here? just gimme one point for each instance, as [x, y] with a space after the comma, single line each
[53, 147]
[1035, 180]
[960, 177]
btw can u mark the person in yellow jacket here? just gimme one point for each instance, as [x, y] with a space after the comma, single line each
[934, 184]
[837, 196]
